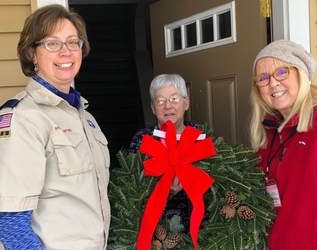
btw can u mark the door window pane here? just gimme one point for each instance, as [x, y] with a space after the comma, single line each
[177, 38]
[211, 28]
[207, 29]
[224, 21]
[191, 35]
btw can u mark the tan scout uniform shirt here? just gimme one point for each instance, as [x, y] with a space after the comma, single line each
[55, 161]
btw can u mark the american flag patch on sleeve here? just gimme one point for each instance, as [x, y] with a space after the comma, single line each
[5, 120]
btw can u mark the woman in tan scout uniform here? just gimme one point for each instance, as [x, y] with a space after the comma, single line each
[54, 164]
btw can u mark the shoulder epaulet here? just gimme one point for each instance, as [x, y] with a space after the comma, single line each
[14, 101]
[10, 103]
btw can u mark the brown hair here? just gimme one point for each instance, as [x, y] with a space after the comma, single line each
[42, 23]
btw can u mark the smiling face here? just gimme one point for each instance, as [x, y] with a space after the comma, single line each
[170, 111]
[59, 68]
[278, 95]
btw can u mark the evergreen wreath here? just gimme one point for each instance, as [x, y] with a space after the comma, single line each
[238, 208]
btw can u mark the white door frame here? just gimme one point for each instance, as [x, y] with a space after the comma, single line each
[290, 20]
[41, 3]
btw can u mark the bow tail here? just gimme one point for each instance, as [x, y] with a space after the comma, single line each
[196, 218]
[195, 183]
[153, 211]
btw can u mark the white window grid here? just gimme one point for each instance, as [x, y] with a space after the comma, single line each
[198, 18]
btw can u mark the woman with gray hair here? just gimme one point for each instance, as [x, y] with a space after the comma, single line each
[169, 101]
[284, 132]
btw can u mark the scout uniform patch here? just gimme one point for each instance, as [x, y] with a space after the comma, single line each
[4, 133]
[5, 120]
[5, 123]
[91, 124]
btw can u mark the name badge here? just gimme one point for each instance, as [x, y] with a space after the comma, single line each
[272, 190]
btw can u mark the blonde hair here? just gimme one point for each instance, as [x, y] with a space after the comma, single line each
[303, 106]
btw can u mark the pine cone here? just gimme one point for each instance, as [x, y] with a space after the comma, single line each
[228, 211]
[160, 232]
[244, 212]
[232, 199]
[156, 244]
[172, 240]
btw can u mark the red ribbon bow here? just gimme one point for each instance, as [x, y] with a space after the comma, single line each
[168, 161]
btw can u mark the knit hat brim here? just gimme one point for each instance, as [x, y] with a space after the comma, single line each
[290, 53]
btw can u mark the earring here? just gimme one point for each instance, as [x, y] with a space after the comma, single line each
[36, 67]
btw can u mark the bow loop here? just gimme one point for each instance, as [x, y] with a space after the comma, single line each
[152, 147]
[158, 163]
[198, 151]
[189, 136]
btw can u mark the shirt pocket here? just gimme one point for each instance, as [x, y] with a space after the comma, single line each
[72, 153]
[103, 145]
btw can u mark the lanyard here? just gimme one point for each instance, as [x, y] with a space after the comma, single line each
[280, 149]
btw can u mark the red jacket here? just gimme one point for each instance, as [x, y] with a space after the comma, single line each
[294, 167]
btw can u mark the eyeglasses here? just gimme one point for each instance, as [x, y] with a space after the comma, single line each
[279, 74]
[174, 99]
[57, 45]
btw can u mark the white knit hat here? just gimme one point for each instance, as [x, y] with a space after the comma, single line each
[290, 53]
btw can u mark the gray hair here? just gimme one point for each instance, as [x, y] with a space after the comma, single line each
[165, 80]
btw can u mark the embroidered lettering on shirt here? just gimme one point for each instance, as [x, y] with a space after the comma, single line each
[4, 133]
[91, 124]
[65, 130]
[5, 120]
[301, 142]
[56, 127]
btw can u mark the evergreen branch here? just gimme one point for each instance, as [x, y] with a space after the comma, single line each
[125, 230]
[237, 161]
[240, 233]
[256, 174]
[147, 189]
[255, 234]
[233, 181]
[267, 200]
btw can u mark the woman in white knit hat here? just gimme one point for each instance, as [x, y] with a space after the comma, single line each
[284, 132]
